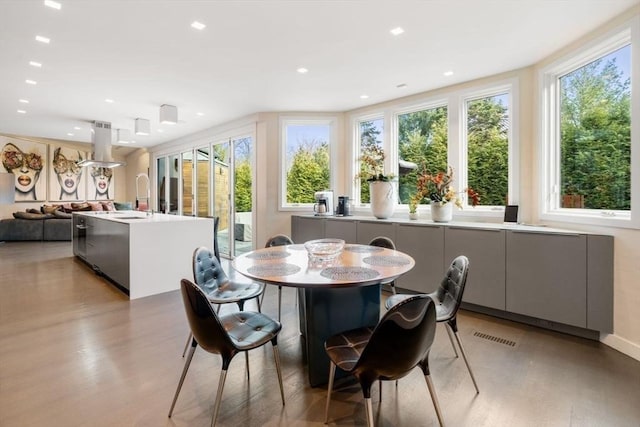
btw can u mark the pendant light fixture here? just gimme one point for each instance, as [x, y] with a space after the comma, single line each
[168, 114]
[142, 126]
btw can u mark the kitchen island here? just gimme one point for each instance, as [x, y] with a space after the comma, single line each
[142, 254]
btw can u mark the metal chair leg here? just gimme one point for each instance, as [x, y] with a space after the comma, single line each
[276, 356]
[246, 360]
[369, 408]
[380, 390]
[216, 406]
[332, 373]
[186, 345]
[259, 303]
[450, 333]
[184, 374]
[434, 399]
[279, 302]
[464, 356]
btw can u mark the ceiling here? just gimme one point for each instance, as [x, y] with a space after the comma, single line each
[144, 53]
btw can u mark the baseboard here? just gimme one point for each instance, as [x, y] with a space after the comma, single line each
[622, 345]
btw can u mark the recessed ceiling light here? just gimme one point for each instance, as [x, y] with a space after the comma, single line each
[35, 64]
[364, 96]
[302, 70]
[133, 142]
[22, 112]
[31, 82]
[200, 114]
[69, 134]
[160, 130]
[397, 31]
[448, 73]
[198, 25]
[109, 100]
[43, 39]
[23, 101]
[77, 128]
[402, 86]
[52, 4]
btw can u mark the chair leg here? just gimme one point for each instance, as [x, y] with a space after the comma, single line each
[380, 390]
[216, 406]
[279, 302]
[464, 356]
[434, 399]
[186, 345]
[184, 374]
[246, 360]
[259, 302]
[332, 373]
[369, 408]
[276, 357]
[450, 333]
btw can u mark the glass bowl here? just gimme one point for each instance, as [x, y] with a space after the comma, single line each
[323, 250]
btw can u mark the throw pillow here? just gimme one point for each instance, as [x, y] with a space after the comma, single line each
[36, 211]
[84, 206]
[95, 206]
[123, 206]
[62, 215]
[108, 206]
[50, 208]
[27, 215]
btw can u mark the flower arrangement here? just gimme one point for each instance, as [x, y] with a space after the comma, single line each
[372, 165]
[438, 189]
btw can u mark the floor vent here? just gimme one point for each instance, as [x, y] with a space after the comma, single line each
[495, 339]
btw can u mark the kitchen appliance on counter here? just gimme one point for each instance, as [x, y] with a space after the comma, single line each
[324, 203]
[344, 206]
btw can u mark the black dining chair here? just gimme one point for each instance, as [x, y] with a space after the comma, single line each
[448, 298]
[278, 240]
[216, 285]
[401, 341]
[387, 243]
[225, 335]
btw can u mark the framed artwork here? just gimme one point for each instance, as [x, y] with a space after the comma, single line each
[100, 183]
[26, 160]
[67, 180]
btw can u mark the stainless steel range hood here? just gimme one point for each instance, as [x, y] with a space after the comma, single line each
[101, 139]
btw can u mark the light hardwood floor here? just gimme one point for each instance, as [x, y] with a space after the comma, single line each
[74, 351]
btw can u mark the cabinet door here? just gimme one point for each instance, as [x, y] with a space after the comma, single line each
[426, 246]
[340, 229]
[485, 250]
[304, 229]
[546, 276]
[368, 230]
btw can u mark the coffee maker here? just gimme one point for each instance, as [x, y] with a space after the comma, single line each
[324, 203]
[344, 208]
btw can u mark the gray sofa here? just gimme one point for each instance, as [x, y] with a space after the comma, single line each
[36, 227]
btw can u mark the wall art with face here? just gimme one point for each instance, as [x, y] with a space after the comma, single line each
[25, 160]
[101, 183]
[66, 178]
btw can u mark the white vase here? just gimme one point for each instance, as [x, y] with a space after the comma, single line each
[441, 212]
[413, 215]
[383, 198]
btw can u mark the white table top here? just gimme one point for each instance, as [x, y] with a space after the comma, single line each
[357, 265]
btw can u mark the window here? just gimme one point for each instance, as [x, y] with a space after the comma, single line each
[370, 136]
[487, 137]
[306, 154]
[587, 140]
[422, 143]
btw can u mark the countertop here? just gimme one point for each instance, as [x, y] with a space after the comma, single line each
[138, 217]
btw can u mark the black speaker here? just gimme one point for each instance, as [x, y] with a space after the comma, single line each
[511, 213]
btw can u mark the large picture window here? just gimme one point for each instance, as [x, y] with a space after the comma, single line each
[422, 144]
[487, 135]
[587, 142]
[306, 158]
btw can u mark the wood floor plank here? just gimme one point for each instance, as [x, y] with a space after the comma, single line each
[74, 351]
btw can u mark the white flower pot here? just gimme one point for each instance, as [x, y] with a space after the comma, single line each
[383, 198]
[413, 215]
[441, 212]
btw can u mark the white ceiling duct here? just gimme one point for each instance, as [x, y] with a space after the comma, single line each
[101, 139]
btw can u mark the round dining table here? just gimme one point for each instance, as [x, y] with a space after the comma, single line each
[334, 296]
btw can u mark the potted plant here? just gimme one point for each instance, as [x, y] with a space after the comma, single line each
[441, 194]
[381, 188]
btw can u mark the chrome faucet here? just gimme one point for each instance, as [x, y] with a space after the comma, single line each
[148, 196]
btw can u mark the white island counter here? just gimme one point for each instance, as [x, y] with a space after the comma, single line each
[143, 254]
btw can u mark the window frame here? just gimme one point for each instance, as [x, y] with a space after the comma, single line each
[357, 151]
[549, 141]
[285, 121]
[509, 87]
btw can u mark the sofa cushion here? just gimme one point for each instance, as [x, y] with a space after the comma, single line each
[62, 215]
[21, 229]
[31, 216]
[57, 229]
